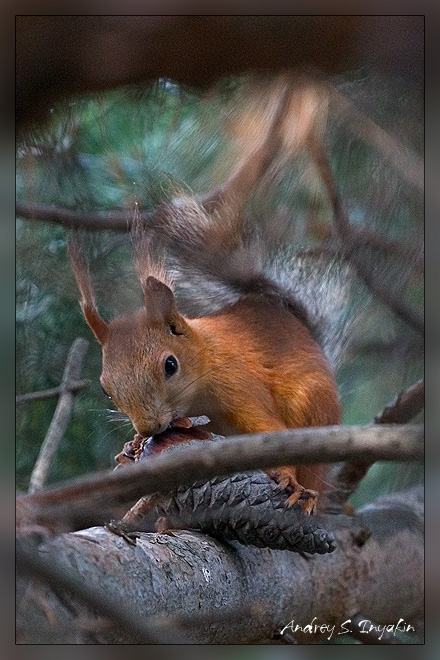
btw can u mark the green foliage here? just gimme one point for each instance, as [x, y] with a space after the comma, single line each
[110, 150]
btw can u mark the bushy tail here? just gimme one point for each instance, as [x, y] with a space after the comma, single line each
[215, 261]
[217, 256]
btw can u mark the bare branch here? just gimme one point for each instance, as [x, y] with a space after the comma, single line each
[72, 386]
[362, 237]
[110, 220]
[391, 348]
[342, 482]
[344, 231]
[121, 221]
[58, 425]
[164, 473]
[165, 575]
[405, 407]
[412, 255]
[345, 478]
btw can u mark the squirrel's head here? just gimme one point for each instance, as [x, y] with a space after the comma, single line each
[151, 361]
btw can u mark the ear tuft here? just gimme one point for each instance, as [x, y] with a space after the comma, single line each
[85, 286]
[97, 325]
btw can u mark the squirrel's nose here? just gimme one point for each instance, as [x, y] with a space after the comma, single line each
[151, 430]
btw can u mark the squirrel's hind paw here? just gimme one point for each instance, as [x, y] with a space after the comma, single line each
[285, 477]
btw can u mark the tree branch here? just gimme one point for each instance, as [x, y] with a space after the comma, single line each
[110, 220]
[345, 478]
[30, 561]
[121, 221]
[348, 238]
[63, 411]
[193, 573]
[391, 247]
[405, 406]
[164, 473]
[64, 55]
[73, 386]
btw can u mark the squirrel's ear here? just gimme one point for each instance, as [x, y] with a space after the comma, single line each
[85, 286]
[159, 301]
[95, 322]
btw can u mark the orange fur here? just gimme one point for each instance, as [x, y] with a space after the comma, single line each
[267, 374]
[251, 368]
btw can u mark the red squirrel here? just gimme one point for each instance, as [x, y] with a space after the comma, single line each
[253, 365]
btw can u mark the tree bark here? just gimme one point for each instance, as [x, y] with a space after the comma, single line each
[188, 573]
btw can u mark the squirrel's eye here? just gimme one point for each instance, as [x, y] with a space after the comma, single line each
[171, 366]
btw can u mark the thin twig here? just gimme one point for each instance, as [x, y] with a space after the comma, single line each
[73, 386]
[361, 238]
[344, 479]
[390, 348]
[110, 220]
[63, 411]
[350, 246]
[342, 482]
[412, 255]
[164, 473]
[120, 221]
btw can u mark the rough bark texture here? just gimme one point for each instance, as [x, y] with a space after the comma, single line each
[190, 573]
